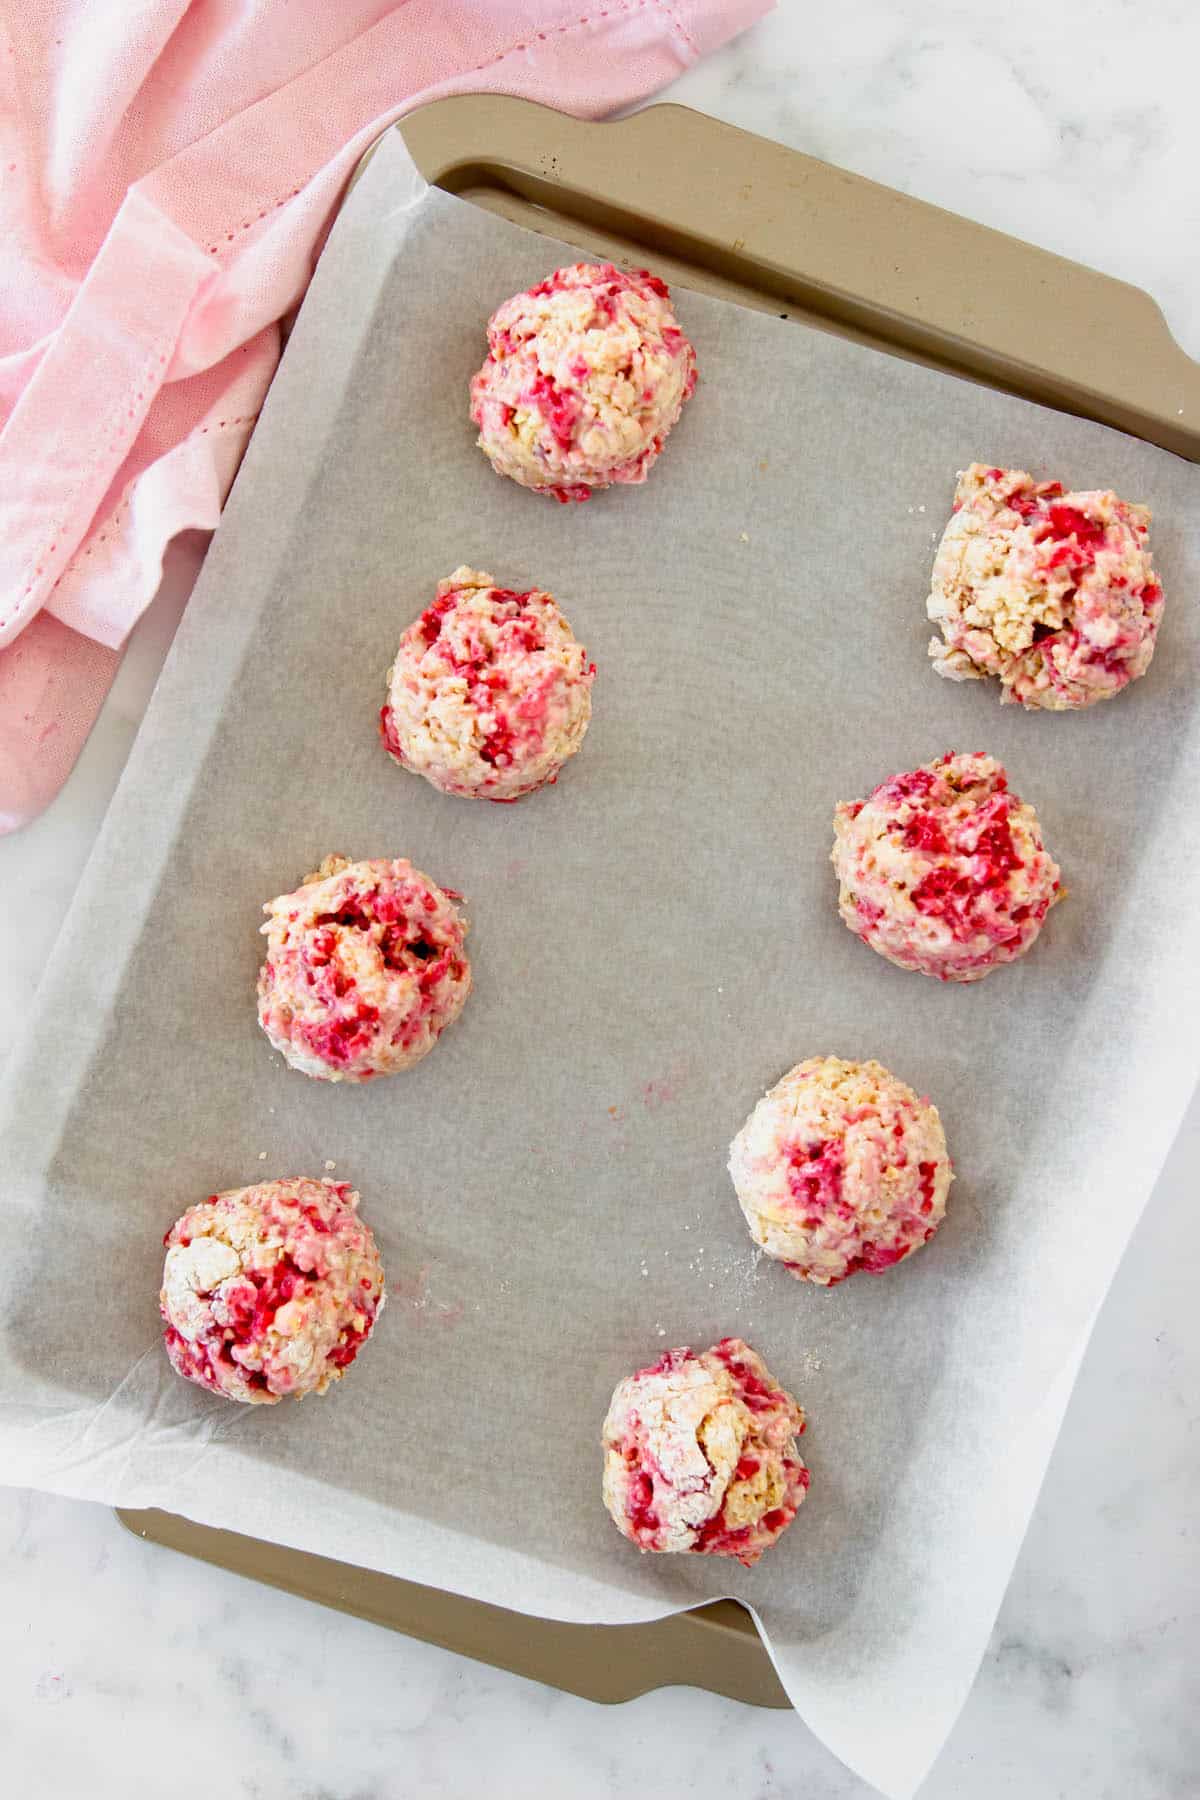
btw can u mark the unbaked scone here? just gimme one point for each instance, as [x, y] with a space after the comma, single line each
[490, 693]
[840, 1168]
[586, 374]
[943, 870]
[270, 1290]
[1052, 593]
[700, 1454]
[366, 966]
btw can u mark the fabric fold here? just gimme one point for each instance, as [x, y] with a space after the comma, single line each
[85, 405]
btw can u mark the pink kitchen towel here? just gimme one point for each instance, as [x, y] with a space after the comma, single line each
[167, 171]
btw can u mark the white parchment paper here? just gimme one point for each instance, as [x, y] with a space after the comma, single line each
[655, 940]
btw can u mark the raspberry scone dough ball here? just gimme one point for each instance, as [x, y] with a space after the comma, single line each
[586, 374]
[840, 1168]
[489, 693]
[700, 1454]
[943, 870]
[365, 968]
[1052, 593]
[270, 1290]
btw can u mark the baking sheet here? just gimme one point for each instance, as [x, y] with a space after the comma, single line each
[655, 941]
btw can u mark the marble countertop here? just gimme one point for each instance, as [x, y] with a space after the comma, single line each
[126, 1671]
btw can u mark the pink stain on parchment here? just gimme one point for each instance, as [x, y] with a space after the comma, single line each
[412, 1292]
[664, 1089]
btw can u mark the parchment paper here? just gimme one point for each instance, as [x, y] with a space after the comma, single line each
[655, 940]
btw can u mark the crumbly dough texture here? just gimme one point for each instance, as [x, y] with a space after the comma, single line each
[366, 966]
[1052, 593]
[490, 693]
[270, 1290]
[840, 1168]
[700, 1454]
[943, 870]
[586, 374]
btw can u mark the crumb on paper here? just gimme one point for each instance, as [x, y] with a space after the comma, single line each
[415, 1293]
[743, 537]
[739, 243]
[330, 1167]
[262, 1156]
[920, 509]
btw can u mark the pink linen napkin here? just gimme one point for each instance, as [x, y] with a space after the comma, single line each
[167, 171]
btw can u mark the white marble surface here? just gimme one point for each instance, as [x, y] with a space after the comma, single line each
[1075, 126]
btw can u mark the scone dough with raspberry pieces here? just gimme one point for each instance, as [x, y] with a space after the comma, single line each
[1053, 594]
[943, 869]
[366, 966]
[841, 1167]
[490, 694]
[270, 1291]
[586, 374]
[700, 1454]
